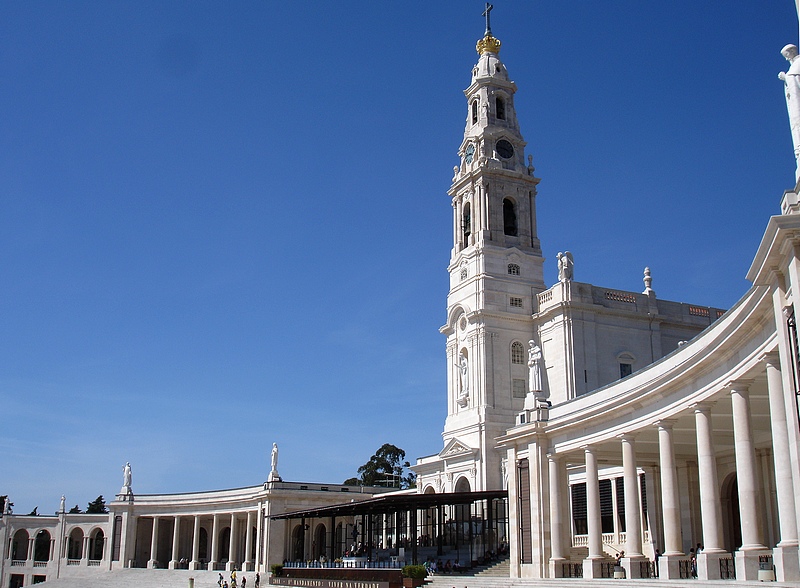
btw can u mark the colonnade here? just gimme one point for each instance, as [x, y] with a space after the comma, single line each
[753, 544]
[241, 555]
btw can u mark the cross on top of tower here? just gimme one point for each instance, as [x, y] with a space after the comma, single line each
[488, 44]
[486, 12]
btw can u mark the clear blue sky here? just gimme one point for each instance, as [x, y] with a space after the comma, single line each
[224, 225]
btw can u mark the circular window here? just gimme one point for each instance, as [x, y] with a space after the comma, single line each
[505, 149]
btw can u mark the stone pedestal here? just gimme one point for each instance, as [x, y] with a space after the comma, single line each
[669, 566]
[632, 568]
[592, 568]
[747, 563]
[708, 564]
[787, 564]
[557, 567]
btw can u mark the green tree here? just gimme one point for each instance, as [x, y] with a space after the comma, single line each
[75, 510]
[97, 506]
[385, 468]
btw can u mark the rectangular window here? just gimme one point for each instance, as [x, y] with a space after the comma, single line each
[515, 302]
[625, 369]
[579, 522]
[518, 388]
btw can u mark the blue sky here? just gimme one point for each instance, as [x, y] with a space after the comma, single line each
[224, 225]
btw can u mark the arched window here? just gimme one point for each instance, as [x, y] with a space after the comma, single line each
[513, 269]
[467, 223]
[517, 353]
[509, 218]
[500, 106]
[474, 112]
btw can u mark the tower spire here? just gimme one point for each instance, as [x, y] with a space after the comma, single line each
[489, 44]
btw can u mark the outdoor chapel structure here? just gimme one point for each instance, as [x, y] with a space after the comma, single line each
[612, 420]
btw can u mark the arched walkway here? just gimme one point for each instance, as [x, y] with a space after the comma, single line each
[732, 523]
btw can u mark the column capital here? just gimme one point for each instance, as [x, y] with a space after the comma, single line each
[628, 436]
[742, 385]
[665, 424]
[702, 407]
[771, 358]
[588, 449]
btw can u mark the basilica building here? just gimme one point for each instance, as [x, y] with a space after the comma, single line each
[590, 432]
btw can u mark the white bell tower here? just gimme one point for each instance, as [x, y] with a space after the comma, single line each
[495, 274]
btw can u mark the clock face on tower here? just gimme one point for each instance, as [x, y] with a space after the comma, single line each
[469, 153]
[505, 149]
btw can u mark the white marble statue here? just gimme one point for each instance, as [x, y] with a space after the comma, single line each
[463, 370]
[791, 81]
[534, 368]
[126, 475]
[273, 474]
[63, 506]
[566, 265]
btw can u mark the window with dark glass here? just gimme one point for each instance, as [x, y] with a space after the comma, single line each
[467, 223]
[509, 218]
[474, 112]
[500, 105]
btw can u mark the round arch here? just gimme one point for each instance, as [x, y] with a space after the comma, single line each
[297, 547]
[19, 545]
[731, 521]
[97, 541]
[41, 547]
[319, 547]
[75, 544]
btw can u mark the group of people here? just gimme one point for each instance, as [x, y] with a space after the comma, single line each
[434, 566]
[222, 583]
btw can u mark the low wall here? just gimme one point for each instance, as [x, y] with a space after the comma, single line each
[339, 578]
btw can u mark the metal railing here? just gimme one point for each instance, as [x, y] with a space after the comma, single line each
[572, 569]
[727, 570]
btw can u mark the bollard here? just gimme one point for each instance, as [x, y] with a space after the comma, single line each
[191, 582]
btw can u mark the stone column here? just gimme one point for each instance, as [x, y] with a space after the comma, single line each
[710, 511]
[785, 554]
[746, 476]
[153, 563]
[176, 535]
[248, 542]
[591, 565]
[31, 546]
[669, 567]
[214, 544]
[232, 544]
[633, 509]
[85, 550]
[557, 534]
[195, 565]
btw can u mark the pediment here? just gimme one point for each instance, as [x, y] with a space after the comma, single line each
[456, 448]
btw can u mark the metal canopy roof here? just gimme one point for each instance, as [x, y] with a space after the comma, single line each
[393, 503]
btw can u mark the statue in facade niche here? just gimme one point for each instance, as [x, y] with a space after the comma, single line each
[534, 368]
[791, 81]
[566, 266]
[126, 475]
[463, 371]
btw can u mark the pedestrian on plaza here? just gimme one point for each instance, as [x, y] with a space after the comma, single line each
[258, 579]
